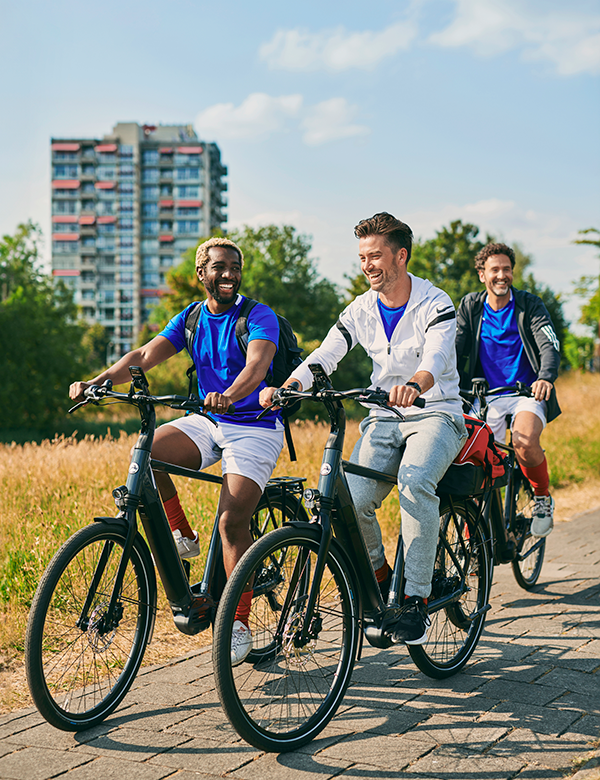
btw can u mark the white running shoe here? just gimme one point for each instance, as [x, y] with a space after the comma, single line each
[543, 516]
[241, 642]
[187, 548]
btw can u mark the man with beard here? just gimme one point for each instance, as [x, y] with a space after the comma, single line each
[506, 336]
[248, 448]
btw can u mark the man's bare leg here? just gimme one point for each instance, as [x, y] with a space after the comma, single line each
[239, 497]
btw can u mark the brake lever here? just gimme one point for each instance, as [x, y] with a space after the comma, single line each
[80, 404]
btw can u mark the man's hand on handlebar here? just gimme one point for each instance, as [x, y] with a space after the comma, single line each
[265, 398]
[217, 403]
[402, 395]
[541, 390]
[77, 389]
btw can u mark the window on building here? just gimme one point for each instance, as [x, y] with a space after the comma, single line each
[106, 194]
[87, 295]
[150, 174]
[184, 243]
[126, 170]
[106, 208]
[149, 262]
[88, 152]
[126, 242]
[187, 159]
[150, 156]
[126, 314]
[149, 246]
[150, 209]
[89, 312]
[105, 229]
[65, 207]
[126, 277]
[125, 150]
[125, 259]
[58, 193]
[65, 171]
[150, 193]
[187, 174]
[187, 192]
[166, 190]
[65, 247]
[64, 156]
[69, 227]
[106, 172]
[166, 260]
[107, 314]
[125, 223]
[88, 170]
[88, 241]
[126, 332]
[107, 243]
[166, 226]
[126, 187]
[88, 277]
[107, 157]
[109, 296]
[125, 296]
[149, 227]
[88, 188]
[150, 280]
[185, 211]
[187, 225]
[125, 205]
[106, 261]
[166, 173]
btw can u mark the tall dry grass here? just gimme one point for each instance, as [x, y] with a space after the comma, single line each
[49, 490]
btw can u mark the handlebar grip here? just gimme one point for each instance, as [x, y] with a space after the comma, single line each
[420, 402]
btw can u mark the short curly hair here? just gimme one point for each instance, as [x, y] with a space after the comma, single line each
[397, 234]
[493, 249]
[202, 257]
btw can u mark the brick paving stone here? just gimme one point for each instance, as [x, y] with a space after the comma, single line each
[300, 766]
[167, 694]
[131, 744]
[467, 705]
[212, 725]
[577, 682]
[589, 725]
[541, 720]
[578, 701]
[453, 763]
[378, 697]
[389, 752]
[536, 773]
[144, 716]
[104, 768]
[34, 763]
[46, 735]
[16, 724]
[205, 755]
[471, 736]
[366, 772]
[548, 751]
[379, 721]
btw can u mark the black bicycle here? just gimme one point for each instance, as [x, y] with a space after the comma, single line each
[316, 595]
[509, 511]
[93, 612]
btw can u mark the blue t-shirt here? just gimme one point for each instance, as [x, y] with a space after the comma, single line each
[390, 317]
[219, 359]
[501, 352]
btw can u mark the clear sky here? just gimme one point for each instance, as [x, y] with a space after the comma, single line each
[327, 112]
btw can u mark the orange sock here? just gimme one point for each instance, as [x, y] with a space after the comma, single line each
[382, 572]
[538, 478]
[243, 608]
[176, 517]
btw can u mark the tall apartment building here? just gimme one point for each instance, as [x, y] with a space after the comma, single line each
[124, 209]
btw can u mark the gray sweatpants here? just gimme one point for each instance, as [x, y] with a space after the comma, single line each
[419, 450]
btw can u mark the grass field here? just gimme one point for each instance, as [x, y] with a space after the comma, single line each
[51, 489]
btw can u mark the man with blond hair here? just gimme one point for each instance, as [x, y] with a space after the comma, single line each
[248, 448]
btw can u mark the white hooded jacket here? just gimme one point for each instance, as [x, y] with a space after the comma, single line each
[423, 340]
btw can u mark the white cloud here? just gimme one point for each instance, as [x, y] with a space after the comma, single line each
[261, 115]
[337, 49]
[568, 37]
[331, 120]
[257, 117]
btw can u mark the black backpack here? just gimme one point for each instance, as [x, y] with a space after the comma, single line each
[287, 358]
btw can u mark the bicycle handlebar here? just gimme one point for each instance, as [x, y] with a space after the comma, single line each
[480, 389]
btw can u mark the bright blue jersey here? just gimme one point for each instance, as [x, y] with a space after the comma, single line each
[219, 359]
[501, 351]
[390, 317]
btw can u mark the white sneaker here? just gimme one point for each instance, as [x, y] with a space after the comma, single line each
[543, 516]
[187, 548]
[241, 642]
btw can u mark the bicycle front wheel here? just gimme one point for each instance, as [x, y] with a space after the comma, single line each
[80, 661]
[461, 584]
[530, 549]
[285, 696]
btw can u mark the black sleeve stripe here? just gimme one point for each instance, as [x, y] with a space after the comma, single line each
[448, 315]
[345, 333]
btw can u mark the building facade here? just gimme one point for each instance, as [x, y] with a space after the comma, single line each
[124, 209]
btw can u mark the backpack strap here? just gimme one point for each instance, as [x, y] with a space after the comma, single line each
[241, 325]
[190, 325]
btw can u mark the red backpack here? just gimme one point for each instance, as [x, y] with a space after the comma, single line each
[480, 464]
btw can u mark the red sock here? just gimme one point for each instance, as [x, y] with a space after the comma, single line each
[243, 608]
[382, 572]
[424, 600]
[538, 477]
[176, 517]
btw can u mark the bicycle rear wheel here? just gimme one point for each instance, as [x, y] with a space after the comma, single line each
[461, 580]
[79, 668]
[288, 694]
[530, 549]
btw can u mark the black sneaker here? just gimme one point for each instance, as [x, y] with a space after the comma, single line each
[413, 622]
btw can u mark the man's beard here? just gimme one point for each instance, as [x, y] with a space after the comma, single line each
[213, 289]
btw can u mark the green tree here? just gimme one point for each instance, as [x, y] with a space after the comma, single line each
[41, 340]
[589, 287]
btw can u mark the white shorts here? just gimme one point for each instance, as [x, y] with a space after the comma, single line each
[503, 405]
[247, 450]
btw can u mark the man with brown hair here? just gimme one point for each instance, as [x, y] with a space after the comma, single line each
[407, 327]
[248, 448]
[506, 336]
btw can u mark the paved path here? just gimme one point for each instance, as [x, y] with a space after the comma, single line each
[526, 707]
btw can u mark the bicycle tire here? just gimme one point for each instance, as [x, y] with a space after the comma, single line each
[78, 675]
[455, 629]
[530, 549]
[286, 698]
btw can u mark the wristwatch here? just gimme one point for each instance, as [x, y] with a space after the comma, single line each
[416, 385]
